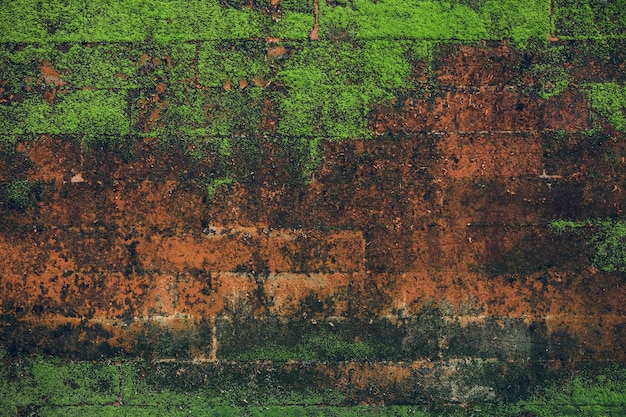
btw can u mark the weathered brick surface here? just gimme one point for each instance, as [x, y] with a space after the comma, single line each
[428, 245]
[482, 109]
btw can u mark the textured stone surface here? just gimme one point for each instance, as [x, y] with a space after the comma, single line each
[424, 253]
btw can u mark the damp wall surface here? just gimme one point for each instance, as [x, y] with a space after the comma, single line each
[413, 266]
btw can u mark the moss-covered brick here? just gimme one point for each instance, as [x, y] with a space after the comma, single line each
[222, 62]
[589, 19]
[48, 386]
[127, 21]
[609, 100]
[40, 381]
[520, 22]
[330, 87]
[606, 238]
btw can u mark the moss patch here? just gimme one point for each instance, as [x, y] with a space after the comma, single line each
[606, 237]
[584, 19]
[609, 100]
[49, 387]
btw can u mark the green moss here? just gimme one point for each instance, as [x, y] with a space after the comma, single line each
[317, 345]
[206, 20]
[84, 113]
[173, 20]
[602, 394]
[215, 184]
[92, 113]
[220, 62]
[609, 244]
[21, 194]
[39, 381]
[331, 87]
[585, 19]
[575, 22]
[126, 21]
[351, 411]
[402, 19]
[293, 26]
[56, 20]
[19, 22]
[19, 65]
[609, 100]
[550, 73]
[561, 226]
[100, 66]
[520, 21]
[297, 6]
[304, 155]
[235, 113]
[49, 387]
[606, 237]
[329, 346]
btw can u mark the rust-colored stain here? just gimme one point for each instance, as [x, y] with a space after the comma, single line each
[276, 52]
[50, 75]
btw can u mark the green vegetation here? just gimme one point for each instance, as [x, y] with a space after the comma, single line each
[221, 62]
[87, 114]
[586, 394]
[550, 72]
[49, 387]
[105, 66]
[588, 19]
[401, 19]
[321, 345]
[330, 87]
[49, 382]
[21, 194]
[606, 237]
[215, 184]
[197, 20]
[437, 20]
[125, 21]
[181, 64]
[609, 100]
[293, 25]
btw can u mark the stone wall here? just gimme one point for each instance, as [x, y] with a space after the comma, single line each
[417, 266]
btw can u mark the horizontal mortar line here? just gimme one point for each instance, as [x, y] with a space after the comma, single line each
[219, 231]
[123, 408]
[215, 273]
[88, 230]
[197, 232]
[331, 139]
[507, 225]
[484, 132]
[177, 278]
[501, 158]
[496, 317]
[263, 39]
[421, 91]
[414, 364]
[567, 39]
[289, 362]
[342, 319]
[512, 177]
